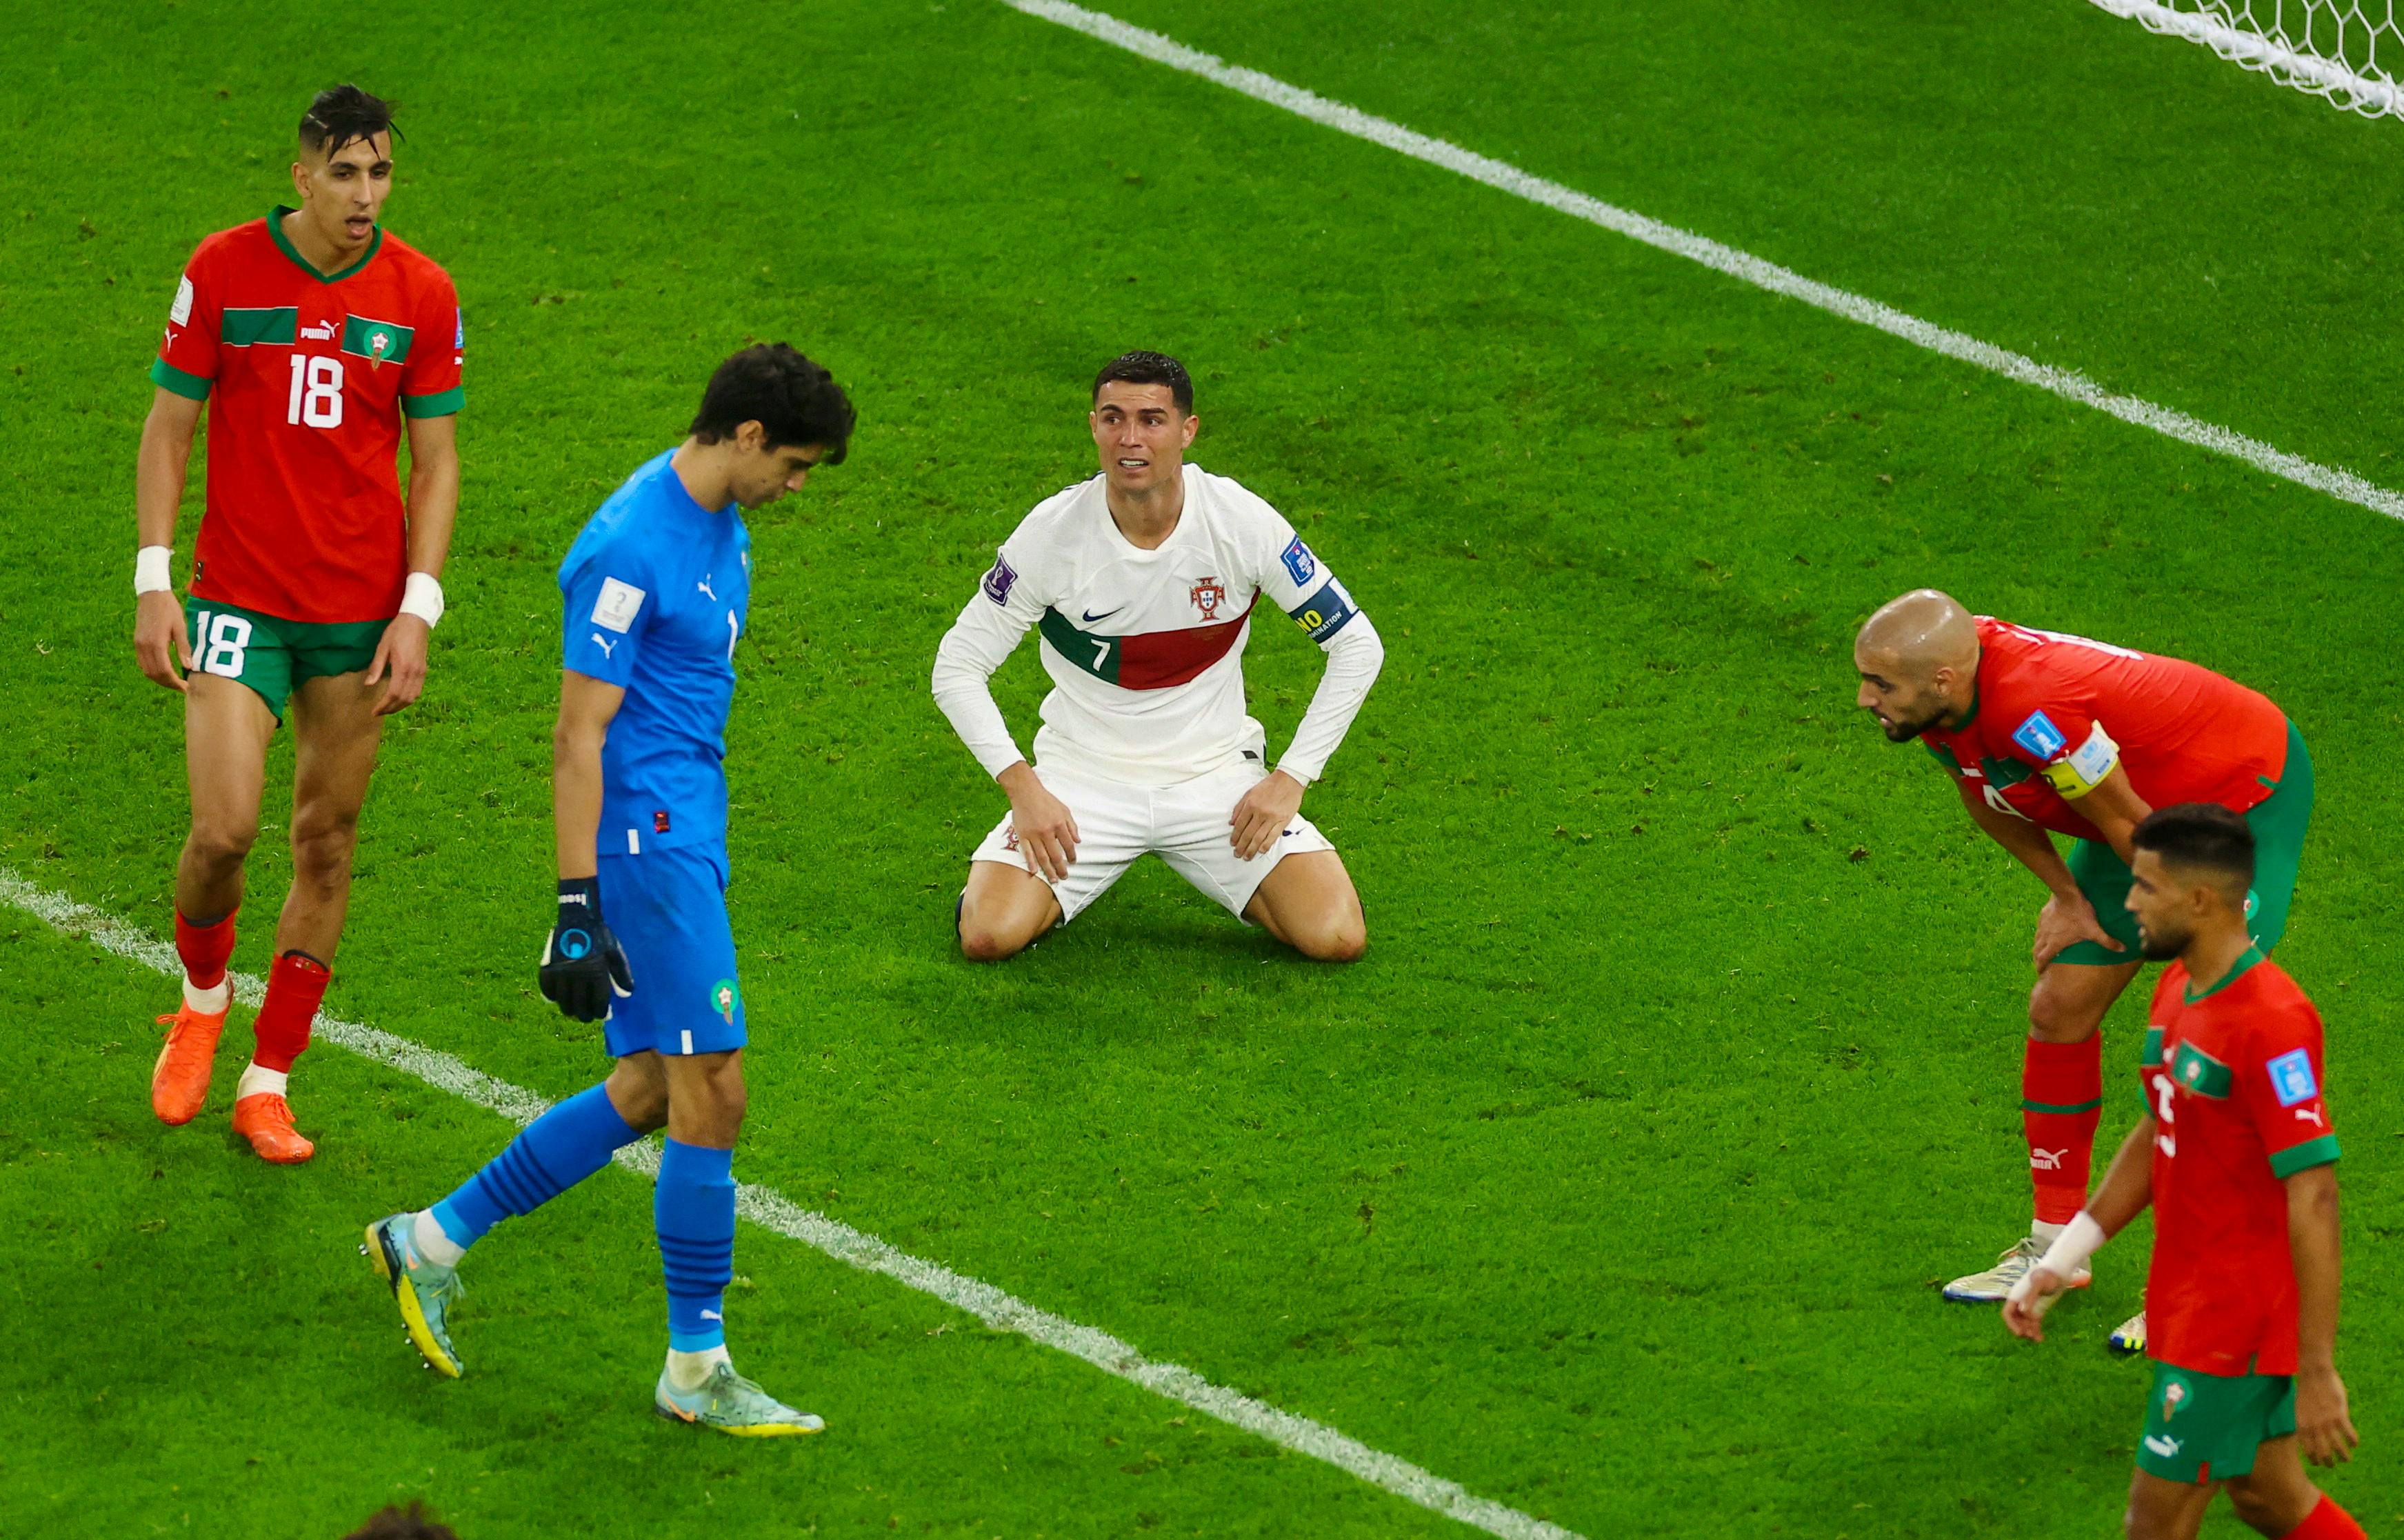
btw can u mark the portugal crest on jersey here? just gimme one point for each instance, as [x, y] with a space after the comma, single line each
[1209, 595]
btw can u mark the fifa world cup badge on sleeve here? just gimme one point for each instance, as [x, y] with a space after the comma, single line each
[2039, 736]
[2291, 1078]
[616, 608]
[1000, 581]
[1300, 564]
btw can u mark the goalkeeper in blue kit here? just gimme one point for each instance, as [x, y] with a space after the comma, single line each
[656, 590]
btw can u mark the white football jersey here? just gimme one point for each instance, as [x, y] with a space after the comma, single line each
[1145, 648]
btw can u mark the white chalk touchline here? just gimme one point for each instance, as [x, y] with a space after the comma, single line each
[2068, 384]
[773, 1210]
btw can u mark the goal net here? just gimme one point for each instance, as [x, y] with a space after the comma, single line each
[2346, 50]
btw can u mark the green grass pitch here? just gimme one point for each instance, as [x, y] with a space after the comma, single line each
[1614, 1184]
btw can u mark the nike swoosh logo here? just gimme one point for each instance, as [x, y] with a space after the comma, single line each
[1090, 617]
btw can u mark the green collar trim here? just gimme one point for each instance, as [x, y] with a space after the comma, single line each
[275, 227]
[2246, 961]
[1968, 716]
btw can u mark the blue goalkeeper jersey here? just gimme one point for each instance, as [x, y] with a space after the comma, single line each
[656, 590]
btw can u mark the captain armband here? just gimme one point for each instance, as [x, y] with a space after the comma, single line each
[1325, 612]
[2085, 767]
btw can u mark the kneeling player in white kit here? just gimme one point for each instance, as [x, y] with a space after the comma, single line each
[1143, 581]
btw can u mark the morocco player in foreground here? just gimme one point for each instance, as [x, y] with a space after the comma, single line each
[2236, 1155]
[1143, 581]
[2045, 732]
[315, 337]
[656, 592]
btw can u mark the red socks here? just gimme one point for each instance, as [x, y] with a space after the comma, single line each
[2062, 1101]
[294, 986]
[2327, 1522]
[205, 949]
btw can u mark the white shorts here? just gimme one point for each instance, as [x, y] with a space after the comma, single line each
[1184, 825]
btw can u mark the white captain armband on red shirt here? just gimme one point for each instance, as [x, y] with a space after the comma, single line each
[2085, 767]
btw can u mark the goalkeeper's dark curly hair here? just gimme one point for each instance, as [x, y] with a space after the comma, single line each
[796, 400]
[343, 115]
[396, 1523]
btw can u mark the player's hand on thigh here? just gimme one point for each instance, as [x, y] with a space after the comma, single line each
[1046, 830]
[2063, 923]
[1262, 813]
[2024, 1307]
[160, 646]
[2324, 1431]
[400, 661]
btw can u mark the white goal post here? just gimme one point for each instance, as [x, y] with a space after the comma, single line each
[2344, 50]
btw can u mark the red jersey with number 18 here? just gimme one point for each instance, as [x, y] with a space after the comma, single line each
[308, 376]
[2233, 1078]
[2055, 714]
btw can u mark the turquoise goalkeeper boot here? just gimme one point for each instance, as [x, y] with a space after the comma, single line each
[424, 1289]
[731, 1404]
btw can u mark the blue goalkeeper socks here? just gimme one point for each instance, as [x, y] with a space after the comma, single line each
[694, 1207]
[558, 1150]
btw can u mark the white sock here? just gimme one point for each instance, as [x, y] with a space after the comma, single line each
[211, 1000]
[688, 1370]
[426, 1234]
[259, 1082]
[2045, 1233]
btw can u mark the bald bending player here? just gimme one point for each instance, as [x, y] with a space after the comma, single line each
[2045, 734]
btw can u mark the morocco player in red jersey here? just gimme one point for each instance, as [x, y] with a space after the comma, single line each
[2237, 1157]
[314, 337]
[2044, 733]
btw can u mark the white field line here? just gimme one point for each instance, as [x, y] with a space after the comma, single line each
[773, 1210]
[2257, 51]
[2067, 384]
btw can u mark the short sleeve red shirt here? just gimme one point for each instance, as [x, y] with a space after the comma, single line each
[308, 377]
[2233, 1077]
[2052, 707]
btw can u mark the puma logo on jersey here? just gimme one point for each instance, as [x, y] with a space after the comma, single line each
[2047, 1160]
[704, 585]
[324, 333]
[609, 648]
[2311, 1116]
[2166, 1448]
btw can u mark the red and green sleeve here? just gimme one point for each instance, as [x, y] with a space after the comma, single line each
[188, 353]
[2280, 1082]
[430, 379]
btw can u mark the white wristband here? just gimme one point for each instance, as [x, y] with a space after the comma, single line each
[2079, 1239]
[150, 575]
[423, 599]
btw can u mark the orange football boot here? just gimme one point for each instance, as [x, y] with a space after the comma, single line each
[265, 1119]
[179, 1082]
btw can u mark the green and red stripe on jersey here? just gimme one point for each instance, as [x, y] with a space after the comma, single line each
[1149, 660]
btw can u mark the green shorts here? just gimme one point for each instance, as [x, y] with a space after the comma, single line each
[2205, 1427]
[2278, 822]
[272, 655]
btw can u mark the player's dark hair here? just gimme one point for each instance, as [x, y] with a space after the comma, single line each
[413, 1523]
[796, 400]
[2204, 835]
[1140, 368]
[344, 114]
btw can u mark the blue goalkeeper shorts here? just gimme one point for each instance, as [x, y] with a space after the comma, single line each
[667, 909]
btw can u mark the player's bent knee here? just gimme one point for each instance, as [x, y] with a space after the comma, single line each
[1339, 942]
[222, 846]
[982, 943]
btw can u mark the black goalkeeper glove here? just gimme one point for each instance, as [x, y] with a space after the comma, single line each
[582, 964]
